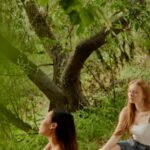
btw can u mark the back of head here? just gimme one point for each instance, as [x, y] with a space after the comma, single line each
[65, 131]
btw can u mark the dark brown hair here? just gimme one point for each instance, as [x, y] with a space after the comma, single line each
[65, 130]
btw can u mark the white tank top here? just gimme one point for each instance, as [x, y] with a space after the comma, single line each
[141, 132]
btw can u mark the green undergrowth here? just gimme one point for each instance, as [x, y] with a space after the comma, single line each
[94, 126]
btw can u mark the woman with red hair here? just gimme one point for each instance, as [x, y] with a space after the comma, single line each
[133, 119]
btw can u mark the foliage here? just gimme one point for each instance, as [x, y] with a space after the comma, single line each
[104, 76]
[94, 126]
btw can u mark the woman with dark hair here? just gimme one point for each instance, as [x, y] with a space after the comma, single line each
[59, 128]
[133, 119]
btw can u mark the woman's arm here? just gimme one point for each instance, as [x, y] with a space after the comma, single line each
[116, 137]
[111, 142]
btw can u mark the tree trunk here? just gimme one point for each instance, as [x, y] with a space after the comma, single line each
[70, 97]
[71, 83]
[42, 29]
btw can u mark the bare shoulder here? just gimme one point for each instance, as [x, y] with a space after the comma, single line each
[47, 147]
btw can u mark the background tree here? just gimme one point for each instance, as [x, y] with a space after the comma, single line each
[76, 53]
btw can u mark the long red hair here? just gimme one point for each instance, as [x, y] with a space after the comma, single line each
[131, 109]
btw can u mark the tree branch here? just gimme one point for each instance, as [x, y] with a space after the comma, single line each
[84, 49]
[14, 120]
[42, 29]
[36, 75]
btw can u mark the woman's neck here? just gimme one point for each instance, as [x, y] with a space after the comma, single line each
[54, 144]
[141, 108]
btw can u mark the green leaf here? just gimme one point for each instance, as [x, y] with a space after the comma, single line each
[70, 5]
[94, 11]
[66, 3]
[80, 29]
[136, 26]
[74, 17]
[118, 26]
[86, 17]
[106, 19]
[43, 2]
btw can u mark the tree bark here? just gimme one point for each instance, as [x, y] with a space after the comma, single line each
[39, 78]
[43, 31]
[70, 97]
[71, 76]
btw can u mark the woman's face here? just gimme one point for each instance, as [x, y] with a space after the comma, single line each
[135, 94]
[45, 127]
